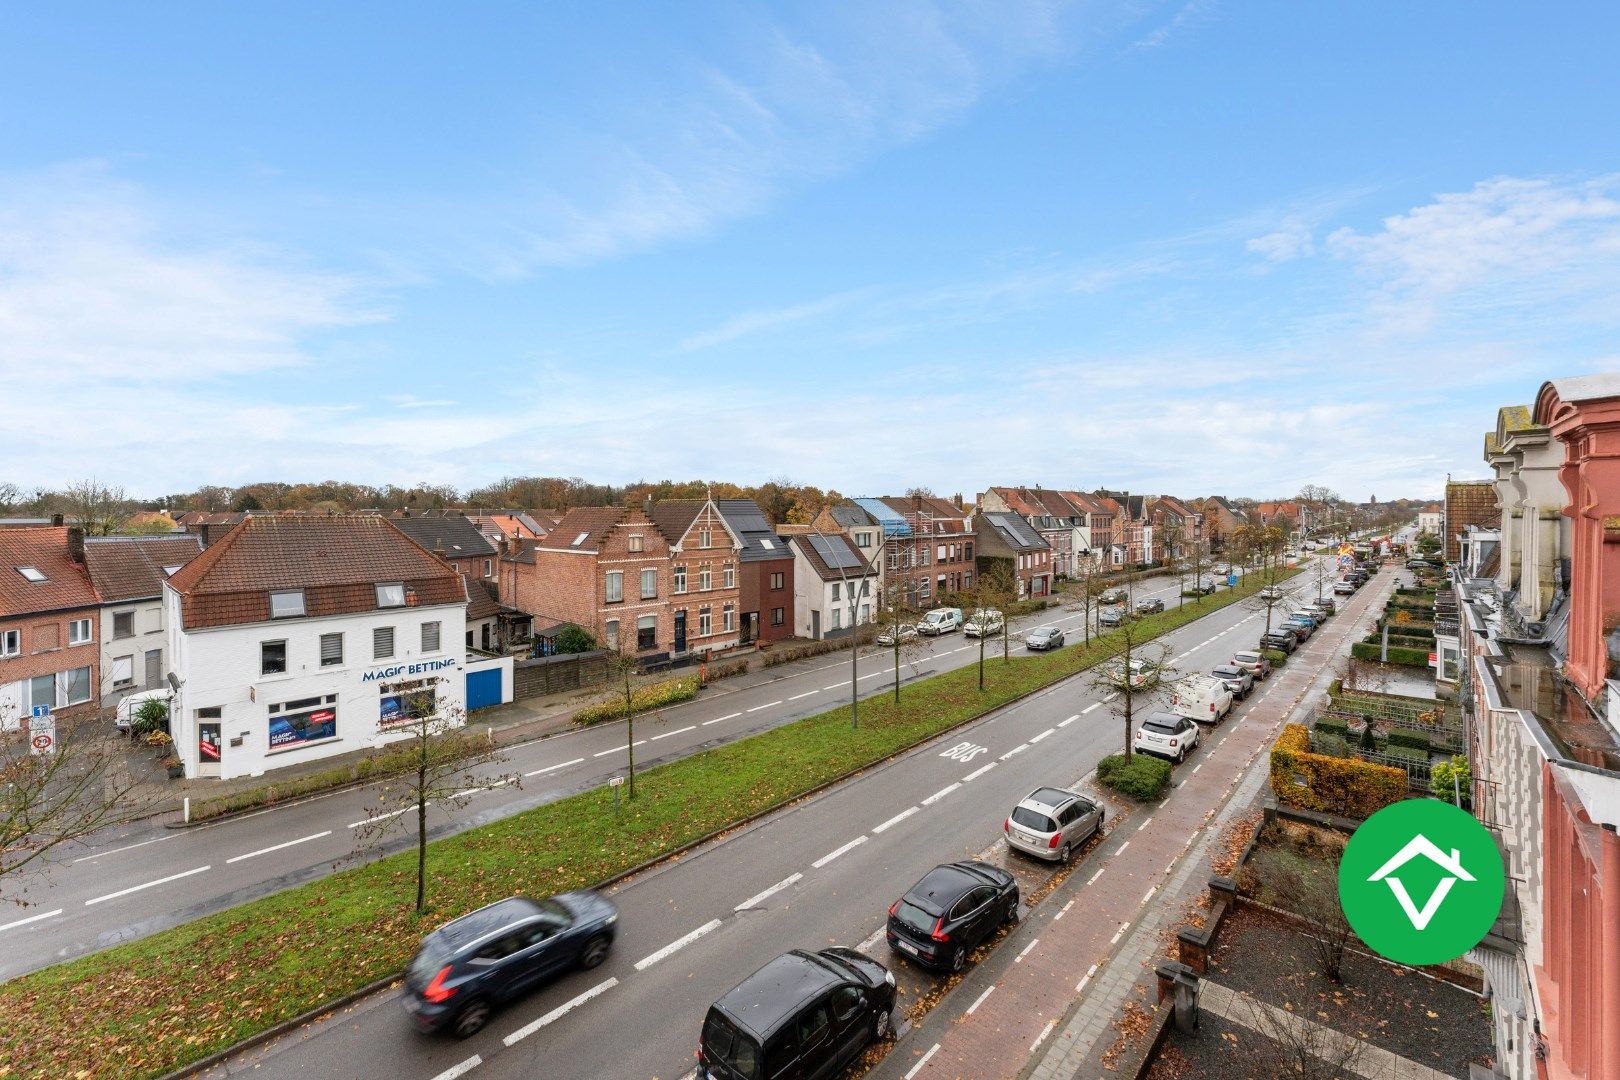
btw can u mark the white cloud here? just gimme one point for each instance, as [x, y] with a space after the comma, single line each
[1292, 241]
[752, 322]
[1190, 14]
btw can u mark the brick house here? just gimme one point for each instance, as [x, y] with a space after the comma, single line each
[49, 616]
[1468, 502]
[452, 537]
[1131, 537]
[1008, 539]
[1221, 522]
[128, 574]
[704, 556]
[765, 573]
[1057, 520]
[210, 524]
[1177, 528]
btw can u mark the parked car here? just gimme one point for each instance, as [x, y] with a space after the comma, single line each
[1142, 672]
[1149, 605]
[954, 907]
[1043, 637]
[1201, 697]
[984, 623]
[1281, 640]
[1417, 564]
[803, 1014]
[1326, 605]
[1238, 680]
[1113, 616]
[1344, 587]
[1255, 663]
[466, 968]
[1051, 822]
[903, 633]
[942, 620]
[1301, 631]
[1166, 735]
[1306, 615]
[124, 715]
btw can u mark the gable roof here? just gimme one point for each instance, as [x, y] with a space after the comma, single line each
[893, 522]
[131, 567]
[481, 599]
[759, 540]
[583, 529]
[675, 516]
[1017, 533]
[67, 583]
[932, 505]
[450, 535]
[810, 546]
[336, 559]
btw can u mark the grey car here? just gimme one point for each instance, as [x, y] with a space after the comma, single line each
[1042, 638]
[1114, 616]
[1150, 605]
[1051, 822]
[1238, 680]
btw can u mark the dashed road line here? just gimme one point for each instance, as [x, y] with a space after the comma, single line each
[716, 720]
[1145, 824]
[1045, 1031]
[1019, 749]
[554, 768]
[971, 1009]
[31, 918]
[831, 855]
[897, 819]
[980, 771]
[679, 943]
[460, 1069]
[1117, 935]
[147, 885]
[759, 898]
[677, 731]
[1064, 912]
[922, 1061]
[116, 850]
[1122, 848]
[873, 939]
[379, 817]
[767, 705]
[1081, 985]
[873, 675]
[1070, 720]
[1032, 943]
[1198, 766]
[806, 694]
[278, 847]
[559, 1012]
[1094, 877]
[1149, 894]
[940, 794]
[616, 749]
[1089, 708]
[834, 686]
[1042, 735]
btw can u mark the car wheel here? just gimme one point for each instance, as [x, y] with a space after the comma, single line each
[1012, 908]
[471, 1019]
[595, 952]
[958, 958]
[1063, 854]
[880, 1025]
[1181, 755]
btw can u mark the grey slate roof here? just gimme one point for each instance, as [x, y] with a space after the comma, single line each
[452, 536]
[1018, 533]
[748, 521]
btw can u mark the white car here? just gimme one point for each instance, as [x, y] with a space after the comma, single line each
[1166, 735]
[1344, 588]
[1143, 672]
[124, 716]
[1201, 697]
[983, 623]
[903, 633]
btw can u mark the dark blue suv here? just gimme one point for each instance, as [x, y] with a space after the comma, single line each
[468, 966]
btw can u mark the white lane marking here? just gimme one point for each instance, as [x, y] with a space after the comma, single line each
[677, 731]
[917, 1068]
[1045, 1031]
[1112, 695]
[559, 1012]
[980, 771]
[1089, 708]
[873, 675]
[554, 768]
[964, 648]
[116, 850]
[1019, 749]
[834, 686]
[759, 898]
[1198, 766]
[1122, 848]
[31, 918]
[616, 749]
[940, 794]
[971, 1009]
[1149, 894]
[461, 1069]
[876, 936]
[1117, 935]
[148, 885]
[278, 847]
[897, 819]
[831, 855]
[1070, 720]
[1041, 736]
[679, 943]
[1064, 912]
[1145, 824]
[716, 720]
[1095, 876]
[767, 705]
[1032, 943]
[806, 694]
[379, 817]
[1081, 985]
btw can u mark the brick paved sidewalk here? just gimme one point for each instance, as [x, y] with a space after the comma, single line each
[1050, 1015]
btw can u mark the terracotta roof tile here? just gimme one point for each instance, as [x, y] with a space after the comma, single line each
[131, 567]
[588, 525]
[67, 583]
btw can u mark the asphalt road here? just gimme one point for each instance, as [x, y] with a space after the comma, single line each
[137, 879]
[819, 873]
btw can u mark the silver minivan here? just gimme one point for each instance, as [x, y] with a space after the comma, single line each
[1051, 822]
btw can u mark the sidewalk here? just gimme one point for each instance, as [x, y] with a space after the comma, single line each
[1051, 1017]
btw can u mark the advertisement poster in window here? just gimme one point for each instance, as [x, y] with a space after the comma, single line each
[295, 729]
[403, 702]
[208, 743]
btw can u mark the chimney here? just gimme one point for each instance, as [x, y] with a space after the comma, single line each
[646, 506]
[958, 500]
[56, 521]
[75, 543]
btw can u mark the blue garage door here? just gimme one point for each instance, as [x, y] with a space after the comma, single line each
[483, 688]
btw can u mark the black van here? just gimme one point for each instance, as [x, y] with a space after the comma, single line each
[803, 1016]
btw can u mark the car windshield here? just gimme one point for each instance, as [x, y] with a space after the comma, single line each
[915, 917]
[1159, 727]
[724, 1045]
[1228, 673]
[1033, 820]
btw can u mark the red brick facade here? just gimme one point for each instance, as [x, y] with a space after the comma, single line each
[48, 626]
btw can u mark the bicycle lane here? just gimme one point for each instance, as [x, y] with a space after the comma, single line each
[1017, 1008]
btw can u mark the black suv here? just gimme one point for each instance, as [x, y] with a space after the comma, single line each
[469, 965]
[804, 1015]
[1281, 640]
[952, 909]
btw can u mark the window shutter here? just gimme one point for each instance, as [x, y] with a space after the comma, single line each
[382, 642]
[430, 637]
[331, 649]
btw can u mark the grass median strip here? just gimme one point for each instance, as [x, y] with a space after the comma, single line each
[149, 1006]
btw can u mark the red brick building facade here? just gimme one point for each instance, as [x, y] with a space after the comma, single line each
[49, 625]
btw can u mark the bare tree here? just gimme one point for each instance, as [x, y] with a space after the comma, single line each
[1172, 532]
[897, 629]
[9, 496]
[99, 508]
[1136, 671]
[1291, 1045]
[623, 667]
[1088, 576]
[48, 801]
[1197, 563]
[991, 592]
[1264, 546]
[447, 765]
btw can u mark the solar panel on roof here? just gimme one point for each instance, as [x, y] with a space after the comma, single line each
[836, 556]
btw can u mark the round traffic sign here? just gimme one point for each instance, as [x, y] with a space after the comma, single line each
[43, 741]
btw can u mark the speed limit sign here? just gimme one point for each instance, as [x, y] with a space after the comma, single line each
[43, 742]
[42, 731]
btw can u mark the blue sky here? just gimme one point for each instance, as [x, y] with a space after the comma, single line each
[1193, 247]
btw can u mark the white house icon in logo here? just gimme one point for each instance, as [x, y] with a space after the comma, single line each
[1422, 845]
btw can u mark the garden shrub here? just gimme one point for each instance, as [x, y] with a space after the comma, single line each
[655, 696]
[1329, 725]
[1407, 753]
[1142, 777]
[1441, 780]
[1348, 787]
[1412, 740]
[153, 715]
[1332, 745]
[1398, 654]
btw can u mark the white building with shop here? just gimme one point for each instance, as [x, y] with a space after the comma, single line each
[296, 638]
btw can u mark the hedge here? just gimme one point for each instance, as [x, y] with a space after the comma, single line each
[1411, 740]
[1330, 726]
[1348, 787]
[1398, 654]
[786, 654]
[1142, 777]
[655, 696]
[1406, 753]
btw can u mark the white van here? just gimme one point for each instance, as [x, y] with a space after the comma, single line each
[124, 715]
[1203, 698]
[942, 620]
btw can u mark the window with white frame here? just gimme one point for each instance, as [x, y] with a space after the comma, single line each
[705, 538]
[863, 539]
[941, 555]
[636, 542]
[705, 622]
[649, 583]
[331, 650]
[79, 632]
[680, 579]
[123, 671]
[614, 587]
[382, 642]
[778, 581]
[728, 574]
[489, 567]
[430, 637]
[835, 595]
[866, 613]
[705, 579]
[647, 632]
[392, 595]
[123, 624]
[287, 605]
[728, 618]
[837, 617]
[10, 642]
[60, 689]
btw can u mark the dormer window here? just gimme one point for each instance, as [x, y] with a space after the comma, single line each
[391, 595]
[32, 574]
[287, 605]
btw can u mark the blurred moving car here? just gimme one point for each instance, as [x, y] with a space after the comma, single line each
[1149, 605]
